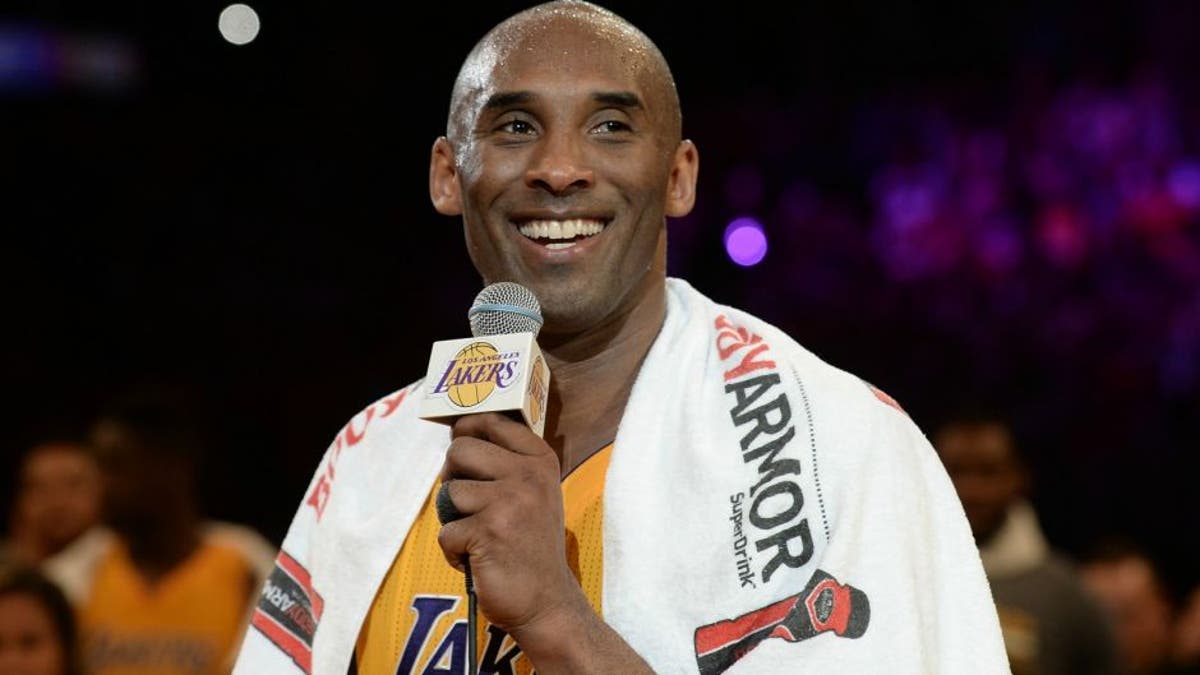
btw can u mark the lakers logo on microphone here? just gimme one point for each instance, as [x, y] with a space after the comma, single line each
[476, 371]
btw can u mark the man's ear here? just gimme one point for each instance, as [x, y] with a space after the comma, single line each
[681, 187]
[443, 179]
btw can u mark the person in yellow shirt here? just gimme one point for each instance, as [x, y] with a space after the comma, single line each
[160, 590]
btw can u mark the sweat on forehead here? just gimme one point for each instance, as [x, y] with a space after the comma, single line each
[558, 25]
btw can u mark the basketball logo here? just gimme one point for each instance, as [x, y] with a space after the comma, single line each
[466, 393]
[537, 392]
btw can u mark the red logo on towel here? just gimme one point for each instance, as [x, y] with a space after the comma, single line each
[350, 436]
[289, 609]
[749, 348]
[825, 605]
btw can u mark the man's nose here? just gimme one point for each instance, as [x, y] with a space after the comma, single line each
[560, 165]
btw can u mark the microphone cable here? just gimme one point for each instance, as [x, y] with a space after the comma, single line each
[447, 513]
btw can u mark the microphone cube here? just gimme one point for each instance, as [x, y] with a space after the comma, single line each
[495, 373]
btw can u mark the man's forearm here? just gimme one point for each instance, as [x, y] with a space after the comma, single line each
[577, 641]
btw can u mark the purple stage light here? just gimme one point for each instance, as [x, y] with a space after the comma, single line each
[1062, 235]
[34, 59]
[1184, 184]
[745, 241]
[999, 247]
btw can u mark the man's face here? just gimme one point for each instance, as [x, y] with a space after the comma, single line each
[564, 172]
[984, 468]
[139, 481]
[59, 495]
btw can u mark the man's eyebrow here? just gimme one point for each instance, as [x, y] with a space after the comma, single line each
[504, 99]
[619, 99]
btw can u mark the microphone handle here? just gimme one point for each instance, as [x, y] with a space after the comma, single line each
[447, 512]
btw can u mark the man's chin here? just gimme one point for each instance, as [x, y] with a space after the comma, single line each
[567, 310]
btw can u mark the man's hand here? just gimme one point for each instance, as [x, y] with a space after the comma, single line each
[505, 481]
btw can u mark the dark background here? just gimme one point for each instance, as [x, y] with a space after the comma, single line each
[988, 201]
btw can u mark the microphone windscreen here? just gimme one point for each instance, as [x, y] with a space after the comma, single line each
[446, 511]
[505, 307]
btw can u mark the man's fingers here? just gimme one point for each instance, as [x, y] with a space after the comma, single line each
[457, 502]
[459, 498]
[501, 430]
[447, 511]
[452, 539]
[473, 458]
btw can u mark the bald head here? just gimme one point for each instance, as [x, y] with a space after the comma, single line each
[550, 32]
[567, 114]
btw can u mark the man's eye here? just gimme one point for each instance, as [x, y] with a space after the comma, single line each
[516, 127]
[610, 127]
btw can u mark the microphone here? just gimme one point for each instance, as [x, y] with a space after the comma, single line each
[500, 369]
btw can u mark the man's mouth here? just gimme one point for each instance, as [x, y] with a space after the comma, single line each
[560, 234]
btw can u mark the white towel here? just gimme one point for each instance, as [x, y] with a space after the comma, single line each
[764, 512]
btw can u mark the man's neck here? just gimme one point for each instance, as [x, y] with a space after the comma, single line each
[592, 374]
[159, 550]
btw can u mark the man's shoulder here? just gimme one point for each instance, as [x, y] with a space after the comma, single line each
[734, 327]
[247, 543]
[400, 400]
[1053, 583]
[393, 411]
[73, 567]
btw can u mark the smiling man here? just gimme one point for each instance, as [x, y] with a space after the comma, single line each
[707, 496]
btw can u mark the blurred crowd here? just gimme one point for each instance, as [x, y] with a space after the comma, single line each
[1073, 216]
[109, 567]
[1109, 611]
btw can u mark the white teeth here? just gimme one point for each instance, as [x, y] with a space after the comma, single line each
[561, 229]
[560, 244]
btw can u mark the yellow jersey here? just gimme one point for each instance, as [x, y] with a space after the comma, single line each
[418, 621]
[188, 623]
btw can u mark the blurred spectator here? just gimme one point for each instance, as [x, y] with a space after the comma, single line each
[160, 590]
[37, 625]
[1130, 586]
[57, 499]
[1050, 624]
[1187, 630]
